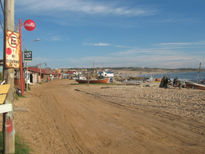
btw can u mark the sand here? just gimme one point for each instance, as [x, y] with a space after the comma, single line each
[183, 102]
[62, 117]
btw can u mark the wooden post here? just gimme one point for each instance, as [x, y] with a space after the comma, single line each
[27, 76]
[8, 118]
[21, 61]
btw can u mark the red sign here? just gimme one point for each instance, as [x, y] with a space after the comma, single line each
[29, 25]
[8, 51]
[12, 50]
[9, 126]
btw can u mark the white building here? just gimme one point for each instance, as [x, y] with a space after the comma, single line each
[106, 74]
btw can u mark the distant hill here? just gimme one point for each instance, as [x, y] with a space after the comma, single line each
[146, 69]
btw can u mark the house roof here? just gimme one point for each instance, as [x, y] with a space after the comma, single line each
[70, 72]
[42, 71]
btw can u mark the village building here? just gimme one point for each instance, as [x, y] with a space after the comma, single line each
[106, 74]
[35, 75]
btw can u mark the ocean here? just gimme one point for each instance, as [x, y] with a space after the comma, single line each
[193, 76]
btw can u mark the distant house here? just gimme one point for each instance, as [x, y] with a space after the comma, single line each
[106, 74]
[36, 75]
[56, 74]
[68, 74]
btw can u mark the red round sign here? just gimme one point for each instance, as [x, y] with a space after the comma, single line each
[29, 25]
[8, 51]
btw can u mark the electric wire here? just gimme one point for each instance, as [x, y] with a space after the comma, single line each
[3, 15]
[2, 8]
[1, 25]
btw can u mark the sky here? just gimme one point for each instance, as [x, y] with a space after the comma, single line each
[114, 33]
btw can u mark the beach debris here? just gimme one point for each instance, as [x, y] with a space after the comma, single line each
[132, 82]
[158, 79]
[193, 85]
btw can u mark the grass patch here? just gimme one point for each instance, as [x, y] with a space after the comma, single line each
[74, 84]
[22, 96]
[16, 97]
[20, 146]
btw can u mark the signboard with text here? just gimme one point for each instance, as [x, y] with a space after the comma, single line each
[27, 56]
[12, 53]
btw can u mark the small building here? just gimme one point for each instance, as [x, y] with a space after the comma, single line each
[36, 75]
[56, 75]
[106, 74]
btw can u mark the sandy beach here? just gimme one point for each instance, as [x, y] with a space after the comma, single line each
[183, 102]
[64, 117]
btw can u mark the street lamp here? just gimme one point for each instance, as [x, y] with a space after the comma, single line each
[27, 77]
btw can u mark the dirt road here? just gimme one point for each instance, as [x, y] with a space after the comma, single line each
[62, 120]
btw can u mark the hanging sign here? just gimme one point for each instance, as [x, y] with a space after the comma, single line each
[3, 92]
[6, 108]
[27, 56]
[29, 25]
[12, 53]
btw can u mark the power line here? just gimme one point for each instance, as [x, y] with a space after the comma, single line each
[2, 8]
[1, 25]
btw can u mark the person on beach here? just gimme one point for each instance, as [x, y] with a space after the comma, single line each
[177, 83]
[164, 82]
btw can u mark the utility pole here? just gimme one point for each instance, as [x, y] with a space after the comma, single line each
[8, 118]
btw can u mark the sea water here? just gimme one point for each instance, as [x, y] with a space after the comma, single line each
[193, 76]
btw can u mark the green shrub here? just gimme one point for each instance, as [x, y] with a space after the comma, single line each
[20, 146]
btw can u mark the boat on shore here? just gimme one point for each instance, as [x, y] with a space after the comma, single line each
[194, 85]
[94, 81]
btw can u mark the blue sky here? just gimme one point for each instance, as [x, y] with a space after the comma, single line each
[138, 33]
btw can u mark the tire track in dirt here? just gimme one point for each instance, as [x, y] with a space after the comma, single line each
[66, 131]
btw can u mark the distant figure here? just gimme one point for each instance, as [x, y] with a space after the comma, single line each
[164, 82]
[48, 78]
[177, 83]
[111, 80]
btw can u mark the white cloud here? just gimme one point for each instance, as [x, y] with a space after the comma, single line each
[161, 61]
[130, 58]
[174, 56]
[143, 51]
[55, 38]
[100, 44]
[138, 57]
[80, 6]
[181, 44]
[150, 57]
[173, 61]
[123, 46]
